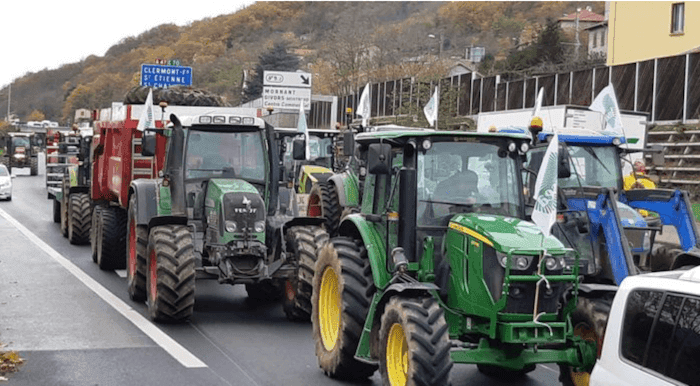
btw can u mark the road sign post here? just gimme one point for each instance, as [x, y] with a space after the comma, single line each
[286, 90]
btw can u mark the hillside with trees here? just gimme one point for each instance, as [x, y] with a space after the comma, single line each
[344, 45]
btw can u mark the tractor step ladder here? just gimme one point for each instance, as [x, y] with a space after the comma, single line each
[141, 166]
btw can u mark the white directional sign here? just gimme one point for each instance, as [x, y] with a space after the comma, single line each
[287, 79]
[286, 97]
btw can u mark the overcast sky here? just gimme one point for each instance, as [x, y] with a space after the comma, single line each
[45, 34]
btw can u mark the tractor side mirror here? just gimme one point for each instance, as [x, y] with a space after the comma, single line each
[348, 143]
[298, 149]
[379, 158]
[148, 143]
[564, 169]
[657, 157]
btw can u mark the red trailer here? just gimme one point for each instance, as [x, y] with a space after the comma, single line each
[117, 161]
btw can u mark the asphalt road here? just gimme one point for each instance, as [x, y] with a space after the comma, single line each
[87, 341]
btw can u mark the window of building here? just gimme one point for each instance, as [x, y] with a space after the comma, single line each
[661, 332]
[677, 18]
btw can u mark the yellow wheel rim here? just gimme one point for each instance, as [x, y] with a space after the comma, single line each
[397, 356]
[587, 333]
[329, 309]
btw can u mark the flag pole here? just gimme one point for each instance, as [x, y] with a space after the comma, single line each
[437, 105]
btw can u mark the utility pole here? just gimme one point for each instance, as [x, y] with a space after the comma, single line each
[578, 42]
[9, 97]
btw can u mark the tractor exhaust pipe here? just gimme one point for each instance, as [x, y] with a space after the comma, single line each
[173, 168]
[408, 180]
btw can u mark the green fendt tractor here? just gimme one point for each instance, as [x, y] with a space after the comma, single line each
[440, 267]
[214, 214]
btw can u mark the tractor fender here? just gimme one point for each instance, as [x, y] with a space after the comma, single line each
[589, 290]
[346, 185]
[78, 189]
[689, 258]
[146, 192]
[166, 220]
[302, 221]
[358, 227]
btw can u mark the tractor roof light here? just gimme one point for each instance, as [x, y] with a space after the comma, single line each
[234, 120]
[218, 119]
[616, 141]
[426, 144]
[205, 119]
[248, 121]
[512, 147]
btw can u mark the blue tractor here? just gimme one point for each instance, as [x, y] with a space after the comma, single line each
[598, 219]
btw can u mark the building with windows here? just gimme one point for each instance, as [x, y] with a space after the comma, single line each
[643, 30]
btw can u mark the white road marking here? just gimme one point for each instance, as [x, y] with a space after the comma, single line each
[550, 369]
[168, 344]
[120, 272]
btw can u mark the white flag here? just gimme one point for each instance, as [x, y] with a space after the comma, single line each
[545, 212]
[302, 128]
[431, 109]
[147, 120]
[364, 109]
[606, 103]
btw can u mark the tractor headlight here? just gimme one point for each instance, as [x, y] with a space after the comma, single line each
[554, 263]
[512, 147]
[616, 141]
[518, 262]
[524, 147]
[231, 226]
[259, 226]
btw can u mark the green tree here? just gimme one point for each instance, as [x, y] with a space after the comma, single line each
[549, 47]
[277, 59]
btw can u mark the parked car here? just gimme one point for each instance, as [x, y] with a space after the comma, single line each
[653, 332]
[5, 183]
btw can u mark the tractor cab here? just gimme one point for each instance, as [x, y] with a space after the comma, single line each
[307, 170]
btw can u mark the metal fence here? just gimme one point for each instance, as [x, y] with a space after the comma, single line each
[668, 89]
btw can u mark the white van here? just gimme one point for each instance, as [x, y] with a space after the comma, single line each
[653, 332]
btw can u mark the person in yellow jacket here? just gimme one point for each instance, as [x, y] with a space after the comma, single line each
[638, 179]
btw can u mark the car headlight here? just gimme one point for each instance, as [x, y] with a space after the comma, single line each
[231, 226]
[259, 226]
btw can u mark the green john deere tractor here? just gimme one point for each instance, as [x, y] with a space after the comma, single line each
[441, 267]
[214, 214]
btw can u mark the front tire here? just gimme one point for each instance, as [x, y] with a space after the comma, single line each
[171, 273]
[415, 344]
[80, 218]
[303, 241]
[589, 320]
[342, 291]
[324, 202]
[136, 248]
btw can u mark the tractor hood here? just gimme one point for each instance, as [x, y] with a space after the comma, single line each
[504, 233]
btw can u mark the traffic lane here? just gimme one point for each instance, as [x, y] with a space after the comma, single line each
[228, 333]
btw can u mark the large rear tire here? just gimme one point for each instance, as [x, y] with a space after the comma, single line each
[415, 344]
[342, 291]
[56, 211]
[34, 166]
[264, 291]
[171, 273]
[589, 320]
[80, 218]
[136, 248]
[303, 241]
[324, 202]
[95, 230]
[111, 243]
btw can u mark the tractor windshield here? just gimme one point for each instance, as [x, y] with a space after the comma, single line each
[458, 177]
[20, 141]
[593, 166]
[225, 155]
[320, 150]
